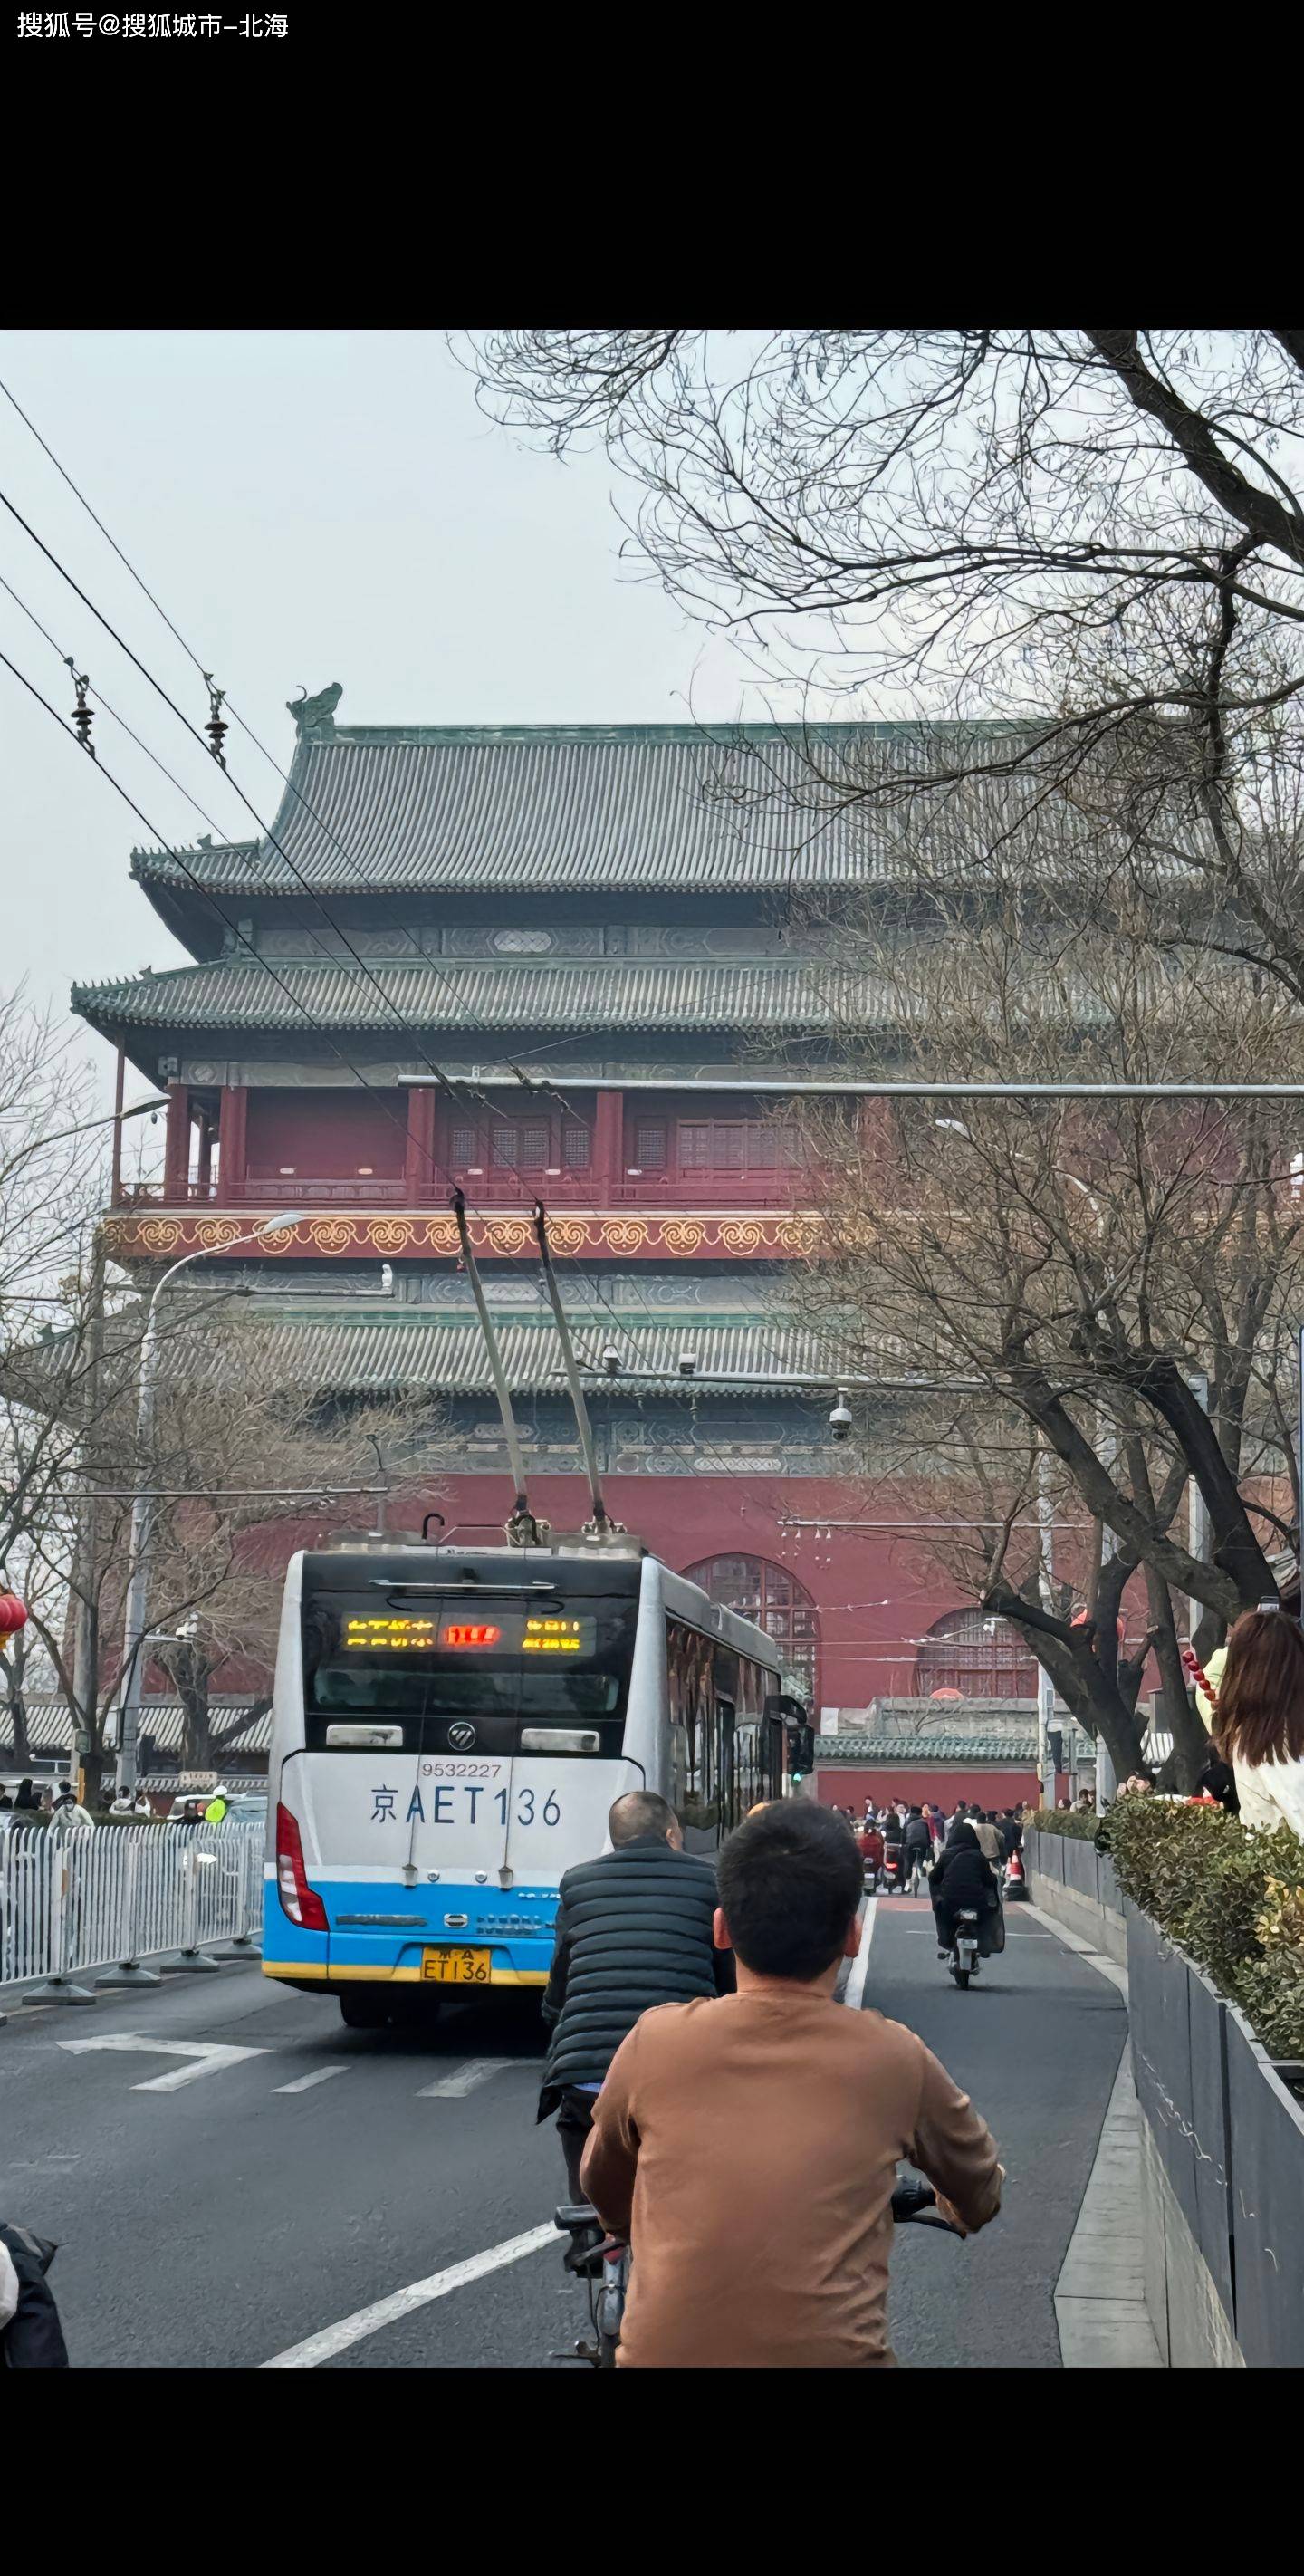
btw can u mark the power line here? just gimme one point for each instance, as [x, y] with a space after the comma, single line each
[549, 1089]
[294, 999]
[434, 1069]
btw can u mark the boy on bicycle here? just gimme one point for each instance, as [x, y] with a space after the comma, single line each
[747, 2146]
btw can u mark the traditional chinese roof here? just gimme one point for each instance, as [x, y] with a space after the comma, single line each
[240, 994]
[390, 1353]
[539, 809]
[922, 1752]
[49, 1725]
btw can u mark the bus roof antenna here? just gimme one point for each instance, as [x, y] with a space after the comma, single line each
[601, 1525]
[521, 1529]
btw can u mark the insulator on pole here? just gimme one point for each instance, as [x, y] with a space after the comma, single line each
[216, 728]
[82, 715]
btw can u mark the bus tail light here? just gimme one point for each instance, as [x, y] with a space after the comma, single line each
[300, 1901]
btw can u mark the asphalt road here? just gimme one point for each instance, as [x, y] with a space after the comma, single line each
[222, 2220]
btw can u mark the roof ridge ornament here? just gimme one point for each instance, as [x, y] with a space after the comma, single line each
[315, 717]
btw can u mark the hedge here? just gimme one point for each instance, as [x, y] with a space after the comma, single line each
[1080, 1825]
[1230, 1895]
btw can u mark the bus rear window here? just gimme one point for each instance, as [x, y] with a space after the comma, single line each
[366, 1657]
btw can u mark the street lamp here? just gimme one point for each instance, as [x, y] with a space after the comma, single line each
[134, 1631]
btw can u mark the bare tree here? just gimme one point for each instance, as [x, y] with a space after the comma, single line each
[927, 505]
[1068, 565]
[1065, 1273]
[242, 1466]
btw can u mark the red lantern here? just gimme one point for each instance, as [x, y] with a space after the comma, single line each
[13, 1614]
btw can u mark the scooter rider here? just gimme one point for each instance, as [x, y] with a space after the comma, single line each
[893, 1852]
[962, 1877]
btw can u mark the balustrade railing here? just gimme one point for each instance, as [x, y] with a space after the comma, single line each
[488, 1188]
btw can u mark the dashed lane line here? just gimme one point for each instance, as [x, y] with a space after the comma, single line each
[854, 1991]
[320, 2075]
[403, 2303]
[464, 2079]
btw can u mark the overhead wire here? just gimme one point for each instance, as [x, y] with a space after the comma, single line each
[437, 1072]
[286, 776]
[267, 966]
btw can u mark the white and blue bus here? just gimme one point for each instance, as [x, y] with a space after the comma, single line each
[450, 1727]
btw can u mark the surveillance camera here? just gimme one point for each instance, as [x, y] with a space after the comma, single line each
[610, 1359]
[688, 1363]
[840, 1420]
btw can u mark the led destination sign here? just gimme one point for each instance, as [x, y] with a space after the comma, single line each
[395, 1632]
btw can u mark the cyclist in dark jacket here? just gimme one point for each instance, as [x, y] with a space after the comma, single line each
[963, 1876]
[633, 1929]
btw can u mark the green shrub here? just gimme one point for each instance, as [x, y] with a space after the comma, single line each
[1064, 1820]
[1230, 1896]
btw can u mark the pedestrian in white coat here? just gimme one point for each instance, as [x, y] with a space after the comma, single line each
[1259, 1726]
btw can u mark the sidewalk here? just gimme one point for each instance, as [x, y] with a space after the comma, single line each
[1099, 2307]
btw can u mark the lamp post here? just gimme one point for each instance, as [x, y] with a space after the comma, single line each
[134, 1630]
[1046, 1587]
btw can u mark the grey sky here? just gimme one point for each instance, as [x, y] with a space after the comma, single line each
[308, 506]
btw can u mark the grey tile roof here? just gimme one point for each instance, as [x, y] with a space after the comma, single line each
[398, 1351]
[542, 808]
[885, 1752]
[624, 994]
[49, 1725]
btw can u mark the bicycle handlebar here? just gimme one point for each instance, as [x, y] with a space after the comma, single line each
[915, 2200]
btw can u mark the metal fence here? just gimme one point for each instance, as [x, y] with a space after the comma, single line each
[75, 1900]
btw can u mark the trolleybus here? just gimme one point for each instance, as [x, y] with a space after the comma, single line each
[450, 1727]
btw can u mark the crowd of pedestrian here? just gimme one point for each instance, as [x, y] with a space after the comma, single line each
[900, 1841]
[58, 1800]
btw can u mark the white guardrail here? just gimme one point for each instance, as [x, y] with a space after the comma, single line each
[75, 1900]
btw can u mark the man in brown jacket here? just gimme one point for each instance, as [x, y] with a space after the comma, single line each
[747, 2146]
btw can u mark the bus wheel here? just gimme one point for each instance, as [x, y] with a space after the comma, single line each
[364, 2008]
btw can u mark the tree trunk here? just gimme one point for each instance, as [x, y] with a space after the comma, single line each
[196, 1733]
[1190, 1743]
[1089, 1692]
[13, 1665]
[222, 1737]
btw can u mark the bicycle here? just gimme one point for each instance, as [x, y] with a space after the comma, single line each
[603, 2263]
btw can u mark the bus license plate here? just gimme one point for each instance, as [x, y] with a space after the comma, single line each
[458, 1967]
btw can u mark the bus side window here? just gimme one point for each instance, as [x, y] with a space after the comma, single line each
[725, 1718]
[679, 1768]
[693, 1751]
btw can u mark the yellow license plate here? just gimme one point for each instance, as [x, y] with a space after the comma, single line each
[456, 1967]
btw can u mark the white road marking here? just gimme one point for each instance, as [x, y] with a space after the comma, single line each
[320, 2075]
[464, 2079]
[403, 2303]
[206, 2056]
[854, 1996]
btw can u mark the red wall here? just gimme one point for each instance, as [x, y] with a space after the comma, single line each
[325, 1135]
[864, 1651]
[979, 1787]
